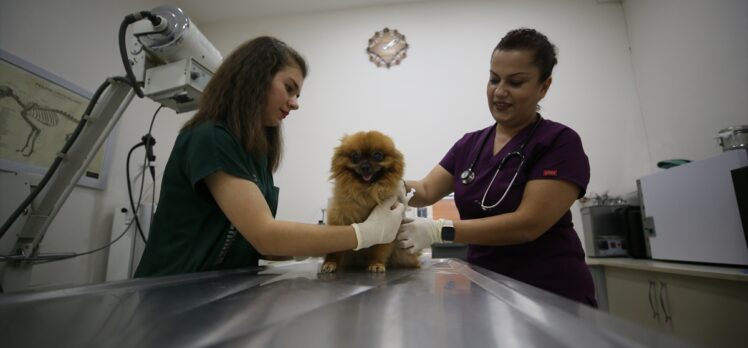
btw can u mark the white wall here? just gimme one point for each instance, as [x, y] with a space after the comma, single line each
[690, 59]
[427, 102]
[438, 92]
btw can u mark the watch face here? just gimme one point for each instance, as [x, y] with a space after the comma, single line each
[448, 233]
[387, 48]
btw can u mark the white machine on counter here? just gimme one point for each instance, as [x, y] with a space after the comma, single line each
[696, 212]
[171, 60]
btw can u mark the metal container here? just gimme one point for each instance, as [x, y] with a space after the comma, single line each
[731, 138]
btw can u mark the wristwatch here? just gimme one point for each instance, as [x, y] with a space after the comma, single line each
[448, 231]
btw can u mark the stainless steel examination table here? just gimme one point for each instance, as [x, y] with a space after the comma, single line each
[446, 303]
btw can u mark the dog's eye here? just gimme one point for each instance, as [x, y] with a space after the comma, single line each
[378, 156]
[355, 157]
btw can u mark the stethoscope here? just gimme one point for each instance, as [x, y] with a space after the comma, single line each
[467, 176]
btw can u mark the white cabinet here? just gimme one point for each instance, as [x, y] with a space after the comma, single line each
[707, 311]
[631, 295]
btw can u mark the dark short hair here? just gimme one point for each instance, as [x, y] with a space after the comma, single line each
[531, 40]
[237, 94]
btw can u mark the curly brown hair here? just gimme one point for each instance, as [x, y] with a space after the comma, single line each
[236, 96]
[531, 40]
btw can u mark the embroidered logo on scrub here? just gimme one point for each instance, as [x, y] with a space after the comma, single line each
[550, 172]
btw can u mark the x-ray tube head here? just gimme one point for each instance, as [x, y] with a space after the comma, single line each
[178, 39]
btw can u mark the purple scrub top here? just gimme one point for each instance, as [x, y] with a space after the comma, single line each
[555, 261]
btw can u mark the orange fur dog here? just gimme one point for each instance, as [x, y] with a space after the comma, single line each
[366, 169]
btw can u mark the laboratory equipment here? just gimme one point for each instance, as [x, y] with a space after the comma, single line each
[170, 57]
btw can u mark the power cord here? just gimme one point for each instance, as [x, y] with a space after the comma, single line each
[151, 159]
[40, 260]
[46, 259]
[148, 141]
[130, 19]
[127, 228]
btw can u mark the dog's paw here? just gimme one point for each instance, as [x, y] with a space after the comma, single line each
[329, 267]
[377, 268]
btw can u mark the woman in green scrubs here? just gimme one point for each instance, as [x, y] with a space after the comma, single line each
[218, 200]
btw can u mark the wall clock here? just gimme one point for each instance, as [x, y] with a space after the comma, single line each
[387, 48]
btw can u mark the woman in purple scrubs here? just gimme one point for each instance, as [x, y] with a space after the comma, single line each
[513, 181]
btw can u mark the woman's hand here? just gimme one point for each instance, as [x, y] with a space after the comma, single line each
[381, 225]
[402, 193]
[417, 234]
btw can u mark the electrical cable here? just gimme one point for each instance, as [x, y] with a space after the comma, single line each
[140, 197]
[129, 188]
[148, 141]
[130, 19]
[53, 168]
[153, 199]
[150, 165]
[39, 260]
[58, 160]
[127, 228]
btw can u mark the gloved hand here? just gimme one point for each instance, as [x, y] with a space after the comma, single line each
[381, 225]
[402, 194]
[404, 197]
[416, 234]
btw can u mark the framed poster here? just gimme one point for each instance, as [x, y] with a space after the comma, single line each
[38, 112]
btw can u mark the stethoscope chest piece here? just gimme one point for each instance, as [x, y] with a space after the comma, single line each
[467, 176]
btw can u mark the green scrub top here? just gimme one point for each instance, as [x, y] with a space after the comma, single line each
[190, 233]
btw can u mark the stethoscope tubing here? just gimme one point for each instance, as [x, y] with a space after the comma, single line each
[468, 175]
[506, 191]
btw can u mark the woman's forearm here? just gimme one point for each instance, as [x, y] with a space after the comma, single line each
[505, 229]
[544, 202]
[420, 199]
[432, 188]
[285, 238]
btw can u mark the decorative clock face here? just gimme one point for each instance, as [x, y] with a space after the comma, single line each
[387, 48]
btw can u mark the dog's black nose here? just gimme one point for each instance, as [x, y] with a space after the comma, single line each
[365, 168]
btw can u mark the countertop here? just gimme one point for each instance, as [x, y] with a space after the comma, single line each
[445, 303]
[736, 273]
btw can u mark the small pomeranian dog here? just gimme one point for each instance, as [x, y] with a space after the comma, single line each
[366, 170]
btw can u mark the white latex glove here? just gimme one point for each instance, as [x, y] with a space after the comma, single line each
[402, 194]
[381, 225]
[405, 197]
[416, 234]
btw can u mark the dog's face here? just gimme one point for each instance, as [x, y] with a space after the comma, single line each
[367, 158]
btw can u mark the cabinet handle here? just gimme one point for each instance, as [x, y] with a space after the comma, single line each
[653, 299]
[663, 289]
